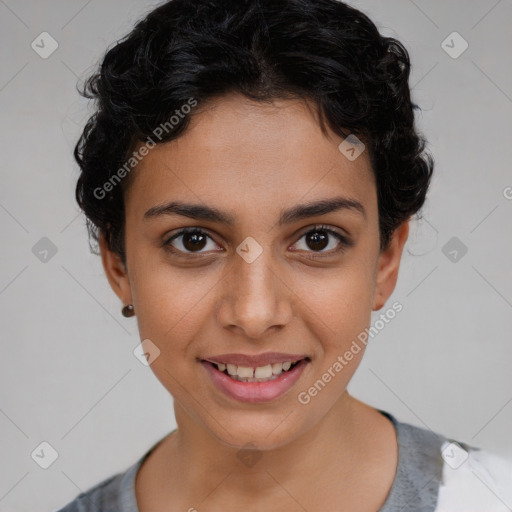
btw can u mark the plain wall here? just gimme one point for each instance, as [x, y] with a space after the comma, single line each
[68, 373]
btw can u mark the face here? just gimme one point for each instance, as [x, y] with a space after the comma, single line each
[261, 272]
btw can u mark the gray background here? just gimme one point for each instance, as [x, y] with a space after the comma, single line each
[68, 373]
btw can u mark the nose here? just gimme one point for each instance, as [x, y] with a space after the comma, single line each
[256, 299]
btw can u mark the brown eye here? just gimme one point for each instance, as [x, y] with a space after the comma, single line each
[194, 241]
[322, 240]
[317, 240]
[188, 241]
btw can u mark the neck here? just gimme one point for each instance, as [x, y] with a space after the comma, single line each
[331, 450]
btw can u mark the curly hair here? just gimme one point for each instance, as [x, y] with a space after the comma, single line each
[320, 50]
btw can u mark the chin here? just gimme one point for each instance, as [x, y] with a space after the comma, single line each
[261, 435]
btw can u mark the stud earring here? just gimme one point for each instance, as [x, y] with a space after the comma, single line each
[128, 311]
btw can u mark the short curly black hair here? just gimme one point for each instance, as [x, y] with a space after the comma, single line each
[319, 50]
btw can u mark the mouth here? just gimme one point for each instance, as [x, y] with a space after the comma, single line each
[258, 384]
[255, 374]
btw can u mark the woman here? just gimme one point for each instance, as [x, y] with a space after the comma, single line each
[250, 174]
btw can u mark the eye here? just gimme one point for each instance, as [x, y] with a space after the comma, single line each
[189, 241]
[322, 239]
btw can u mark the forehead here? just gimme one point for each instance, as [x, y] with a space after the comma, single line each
[237, 151]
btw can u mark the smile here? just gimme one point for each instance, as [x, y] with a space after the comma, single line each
[255, 384]
[255, 374]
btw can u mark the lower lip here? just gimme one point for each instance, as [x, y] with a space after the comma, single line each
[255, 392]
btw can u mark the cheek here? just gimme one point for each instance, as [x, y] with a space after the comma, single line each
[173, 307]
[341, 300]
[172, 304]
[338, 310]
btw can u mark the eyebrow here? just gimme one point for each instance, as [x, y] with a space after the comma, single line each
[298, 212]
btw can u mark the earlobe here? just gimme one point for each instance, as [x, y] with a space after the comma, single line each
[115, 271]
[388, 266]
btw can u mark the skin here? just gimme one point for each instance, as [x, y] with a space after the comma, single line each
[254, 160]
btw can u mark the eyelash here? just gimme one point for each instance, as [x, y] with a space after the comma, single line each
[345, 242]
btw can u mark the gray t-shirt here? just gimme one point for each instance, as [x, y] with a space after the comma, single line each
[427, 462]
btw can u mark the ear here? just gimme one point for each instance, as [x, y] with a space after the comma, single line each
[388, 265]
[116, 272]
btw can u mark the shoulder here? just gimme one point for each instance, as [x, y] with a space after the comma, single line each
[114, 494]
[419, 470]
[440, 474]
[474, 480]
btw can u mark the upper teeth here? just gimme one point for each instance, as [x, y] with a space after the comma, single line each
[259, 372]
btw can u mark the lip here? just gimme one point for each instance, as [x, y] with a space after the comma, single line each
[257, 360]
[255, 392]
